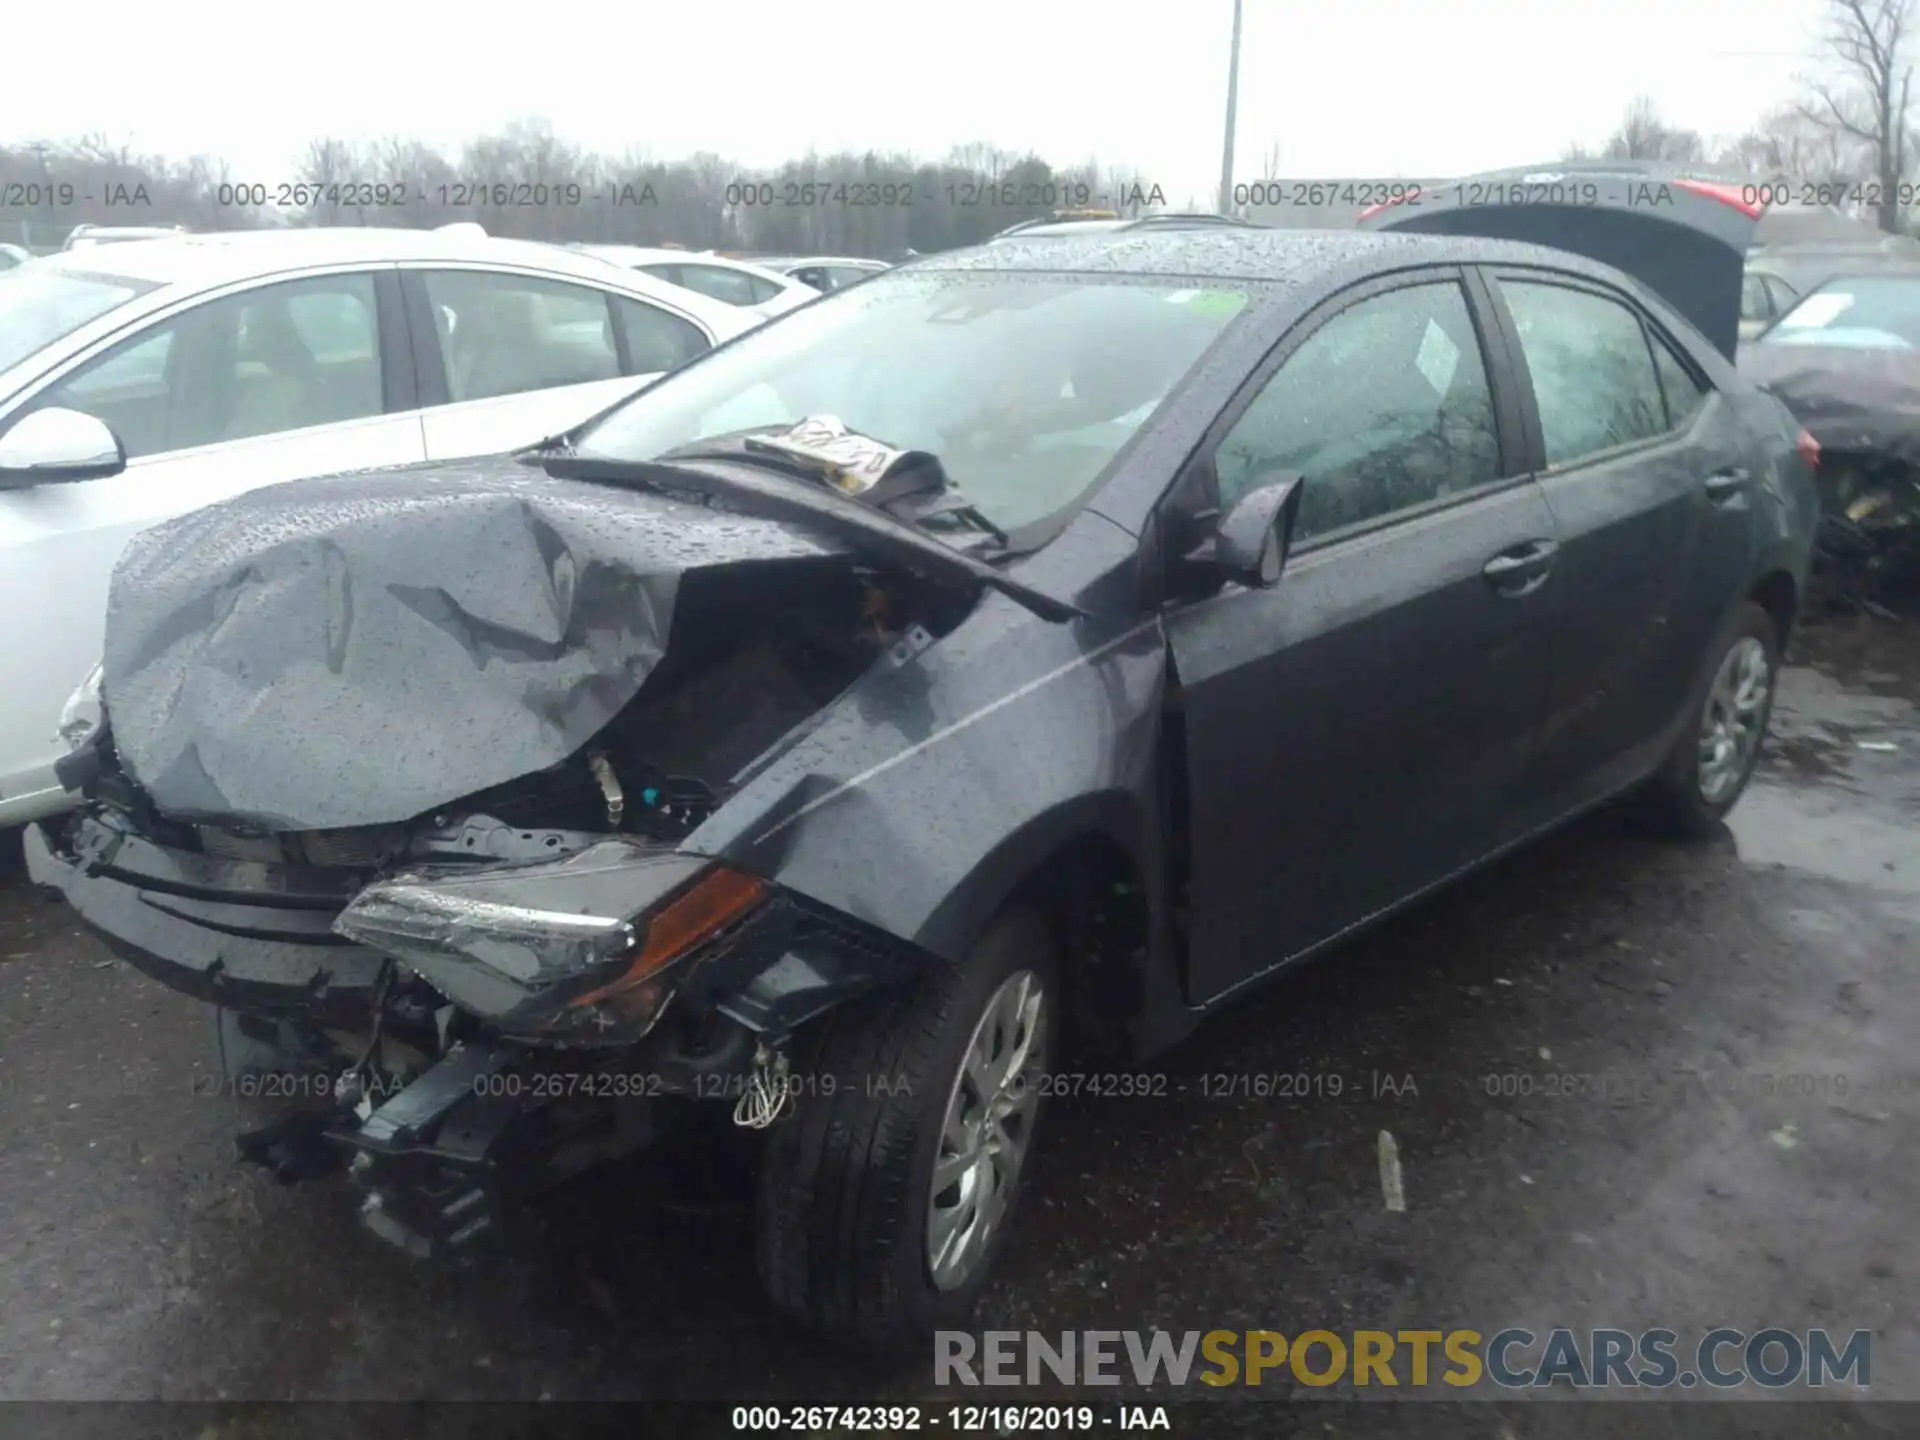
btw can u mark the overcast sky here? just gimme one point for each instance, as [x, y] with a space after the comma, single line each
[1356, 89]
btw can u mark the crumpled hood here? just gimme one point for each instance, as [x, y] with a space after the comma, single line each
[359, 649]
[1847, 398]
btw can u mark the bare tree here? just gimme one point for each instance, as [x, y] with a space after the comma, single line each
[1787, 146]
[1868, 41]
[1645, 135]
[524, 181]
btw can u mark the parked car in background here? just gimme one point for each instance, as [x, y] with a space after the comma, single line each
[141, 381]
[1846, 360]
[1777, 276]
[740, 283]
[83, 237]
[824, 272]
[1052, 639]
[12, 255]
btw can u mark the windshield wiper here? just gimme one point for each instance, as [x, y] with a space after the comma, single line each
[917, 491]
[767, 490]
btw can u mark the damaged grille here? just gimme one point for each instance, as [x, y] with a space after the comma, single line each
[328, 849]
[230, 846]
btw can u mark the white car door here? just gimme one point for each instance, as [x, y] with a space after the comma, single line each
[521, 357]
[281, 382]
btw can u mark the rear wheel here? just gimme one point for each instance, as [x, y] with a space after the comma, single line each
[886, 1197]
[1713, 759]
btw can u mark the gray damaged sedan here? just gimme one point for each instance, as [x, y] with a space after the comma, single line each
[1013, 657]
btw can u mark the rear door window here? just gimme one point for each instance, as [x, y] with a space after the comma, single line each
[1593, 373]
[735, 287]
[505, 334]
[656, 340]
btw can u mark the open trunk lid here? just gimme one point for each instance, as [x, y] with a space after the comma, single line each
[1684, 237]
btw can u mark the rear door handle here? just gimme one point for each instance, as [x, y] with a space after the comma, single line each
[1725, 484]
[1520, 568]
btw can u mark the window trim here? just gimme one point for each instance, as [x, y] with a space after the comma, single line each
[429, 360]
[1658, 338]
[1199, 482]
[1523, 376]
[1782, 296]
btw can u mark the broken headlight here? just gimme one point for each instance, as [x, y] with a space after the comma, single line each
[81, 716]
[571, 950]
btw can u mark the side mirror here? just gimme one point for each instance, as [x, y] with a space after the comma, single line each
[1251, 538]
[53, 445]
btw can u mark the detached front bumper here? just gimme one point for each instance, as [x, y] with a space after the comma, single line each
[242, 934]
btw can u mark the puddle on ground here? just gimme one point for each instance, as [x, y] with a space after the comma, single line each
[1774, 825]
[1838, 790]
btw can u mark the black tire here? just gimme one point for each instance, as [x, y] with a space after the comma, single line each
[845, 1181]
[1672, 801]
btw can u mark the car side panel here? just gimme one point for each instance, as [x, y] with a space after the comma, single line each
[1648, 571]
[1356, 733]
[508, 422]
[922, 795]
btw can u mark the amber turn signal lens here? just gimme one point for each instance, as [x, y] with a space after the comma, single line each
[712, 903]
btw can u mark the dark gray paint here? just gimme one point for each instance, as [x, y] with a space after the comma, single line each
[355, 650]
[1355, 734]
[1857, 400]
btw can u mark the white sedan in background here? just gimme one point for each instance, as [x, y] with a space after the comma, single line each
[141, 381]
[752, 287]
[825, 272]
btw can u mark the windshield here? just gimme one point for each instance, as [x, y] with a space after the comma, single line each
[1024, 386]
[40, 304]
[1880, 312]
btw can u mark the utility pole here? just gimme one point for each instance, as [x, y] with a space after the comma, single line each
[1233, 101]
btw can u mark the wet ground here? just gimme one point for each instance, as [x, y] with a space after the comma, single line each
[1629, 1083]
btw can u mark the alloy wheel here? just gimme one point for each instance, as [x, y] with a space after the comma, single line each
[986, 1128]
[1731, 721]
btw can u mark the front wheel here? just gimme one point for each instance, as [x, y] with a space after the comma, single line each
[1713, 759]
[885, 1198]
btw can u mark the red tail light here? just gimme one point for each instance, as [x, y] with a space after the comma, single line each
[1740, 197]
[1373, 210]
[1809, 449]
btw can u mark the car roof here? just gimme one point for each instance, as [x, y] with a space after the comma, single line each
[1232, 252]
[207, 261]
[1093, 225]
[785, 262]
[220, 256]
[1908, 271]
[630, 255]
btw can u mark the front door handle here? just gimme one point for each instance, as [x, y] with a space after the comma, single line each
[1520, 569]
[1723, 485]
